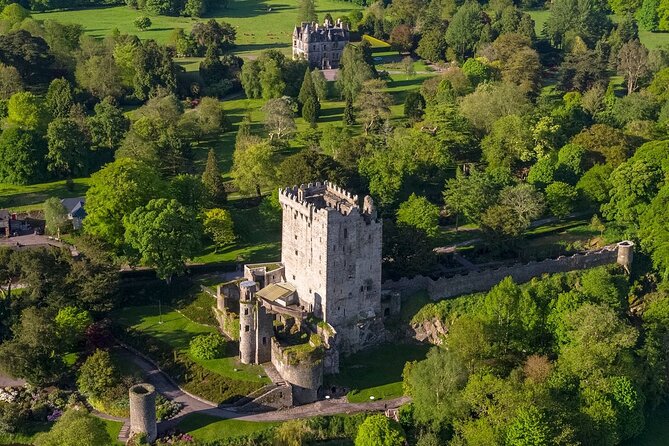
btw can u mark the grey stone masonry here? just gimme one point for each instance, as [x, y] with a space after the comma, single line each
[143, 411]
[320, 45]
[331, 252]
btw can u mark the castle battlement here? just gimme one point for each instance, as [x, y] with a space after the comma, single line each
[326, 196]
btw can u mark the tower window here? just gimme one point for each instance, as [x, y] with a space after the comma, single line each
[246, 311]
[345, 233]
[264, 340]
[296, 252]
[246, 328]
[295, 236]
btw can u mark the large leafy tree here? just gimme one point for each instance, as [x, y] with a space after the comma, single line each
[379, 430]
[154, 69]
[22, 153]
[165, 234]
[116, 191]
[75, 428]
[30, 55]
[585, 18]
[464, 31]
[219, 226]
[253, 169]
[373, 104]
[108, 126]
[419, 213]
[354, 71]
[26, 110]
[59, 98]
[68, 148]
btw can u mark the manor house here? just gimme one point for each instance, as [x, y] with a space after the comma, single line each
[322, 45]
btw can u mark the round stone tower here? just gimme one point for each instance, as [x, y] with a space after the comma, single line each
[247, 335]
[625, 254]
[143, 411]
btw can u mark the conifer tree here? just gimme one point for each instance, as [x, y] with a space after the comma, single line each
[211, 178]
[307, 11]
[308, 99]
[349, 117]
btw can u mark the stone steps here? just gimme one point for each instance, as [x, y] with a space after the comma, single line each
[124, 434]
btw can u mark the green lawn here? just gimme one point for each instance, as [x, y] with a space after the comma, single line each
[18, 198]
[260, 25]
[177, 331]
[113, 429]
[377, 372]
[208, 428]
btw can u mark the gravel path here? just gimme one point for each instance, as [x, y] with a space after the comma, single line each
[191, 404]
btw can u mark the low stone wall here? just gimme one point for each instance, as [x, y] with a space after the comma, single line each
[306, 377]
[279, 397]
[483, 280]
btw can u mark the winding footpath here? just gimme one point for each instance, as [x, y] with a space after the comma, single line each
[191, 405]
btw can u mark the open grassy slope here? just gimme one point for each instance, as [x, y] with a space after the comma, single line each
[260, 24]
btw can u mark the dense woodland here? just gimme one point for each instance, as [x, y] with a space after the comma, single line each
[514, 125]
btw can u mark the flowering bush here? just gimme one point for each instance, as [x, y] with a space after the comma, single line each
[209, 346]
[175, 440]
[166, 409]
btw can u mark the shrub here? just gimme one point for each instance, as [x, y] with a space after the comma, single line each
[98, 375]
[209, 346]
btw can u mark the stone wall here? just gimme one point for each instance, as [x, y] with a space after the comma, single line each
[483, 280]
[305, 377]
[278, 397]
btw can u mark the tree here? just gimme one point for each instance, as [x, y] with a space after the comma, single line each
[71, 325]
[101, 76]
[653, 232]
[59, 98]
[198, 8]
[525, 201]
[646, 15]
[464, 31]
[561, 198]
[435, 385]
[165, 234]
[10, 81]
[414, 106]
[22, 153]
[30, 55]
[470, 195]
[401, 38]
[491, 102]
[108, 126]
[25, 110]
[529, 428]
[98, 374]
[116, 191]
[577, 18]
[308, 99]
[252, 168]
[219, 226]
[419, 213]
[55, 215]
[75, 428]
[250, 79]
[349, 116]
[142, 23]
[212, 180]
[154, 70]
[373, 104]
[510, 143]
[320, 84]
[582, 71]
[354, 71]
[220, 35]
[432, 45]
[307, 11]
[663, 15]
[293, 433]
[279, 119]
[271, 80]
[68, 151]
[633, 64]
[379, 430]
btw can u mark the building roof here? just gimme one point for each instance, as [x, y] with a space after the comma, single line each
[75, 206]
[277, 291]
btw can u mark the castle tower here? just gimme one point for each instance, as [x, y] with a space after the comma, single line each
[247, 335]
[143, 411]
[625, 255]
[331, 251]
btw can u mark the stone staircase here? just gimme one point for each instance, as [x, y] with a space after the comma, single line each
[124, 434]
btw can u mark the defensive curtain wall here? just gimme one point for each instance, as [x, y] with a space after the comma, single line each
[485, 279]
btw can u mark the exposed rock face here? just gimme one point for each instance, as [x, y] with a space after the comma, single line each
[432, 331]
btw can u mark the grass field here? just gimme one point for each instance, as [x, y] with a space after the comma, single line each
[260, 24]
[377, 372]
[208, 428]
[177, 331]
[19, 198]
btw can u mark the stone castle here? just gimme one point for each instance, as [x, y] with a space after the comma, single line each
[323, 299]
[322, 45]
